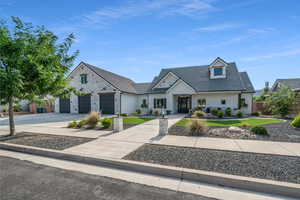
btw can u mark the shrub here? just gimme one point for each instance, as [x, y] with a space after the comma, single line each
[17, 108]
[124, 114]
[4, 110]
[245, 125]
[138, 111]
[81, 123]
[228, 112]
[196, 128]
[156, 113]
[168, 112]
[259, 130]
[92, 119]
[255, 114]
[199, 114]
[150, 112]
[72, 124]
[220, 114]
[106, 123]
[296, 122]
[215, 112]
[239, 114]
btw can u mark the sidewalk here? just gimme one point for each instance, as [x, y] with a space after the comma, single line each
[254, 146]
[118, 145]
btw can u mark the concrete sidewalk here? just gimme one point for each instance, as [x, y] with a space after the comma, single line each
[117, 145]
[254, 146]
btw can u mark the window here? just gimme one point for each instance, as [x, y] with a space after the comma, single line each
[202, 103]
[223, 102]
[83, 78]
[144, 101]
[218, 71]
[160, 103]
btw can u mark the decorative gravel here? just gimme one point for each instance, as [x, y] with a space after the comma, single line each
[266, 166]
[56, 142]
[283, 132]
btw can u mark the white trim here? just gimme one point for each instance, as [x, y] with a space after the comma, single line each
[165, 78]
[216, 60]
[178, 82]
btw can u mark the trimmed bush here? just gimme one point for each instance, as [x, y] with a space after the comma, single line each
[168, 112]
[196, 128]
[106, 123]
[81, 123]
[199, 114]
[220, 114]
[259, 130]
[17, 108]
[150, 112]
[138, 111]
[215, 112]
[228, 112]
[92, 119]
[296, 122]
[245, 125]
[239, 114]
[156, 113]
[124, 114]
[72, 124]
[255, 114]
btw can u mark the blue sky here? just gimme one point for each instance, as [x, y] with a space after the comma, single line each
[138, 38]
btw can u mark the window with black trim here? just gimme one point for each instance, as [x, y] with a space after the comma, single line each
[83, 78]
[223, 102]
[160, 103]
[201, 102]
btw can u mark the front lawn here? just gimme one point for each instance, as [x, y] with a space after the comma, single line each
[225, 123]
[135, 120]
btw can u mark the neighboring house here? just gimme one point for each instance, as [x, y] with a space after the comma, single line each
[293, 83]
[218, 85]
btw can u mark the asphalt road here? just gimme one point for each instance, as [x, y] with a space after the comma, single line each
[22, 180]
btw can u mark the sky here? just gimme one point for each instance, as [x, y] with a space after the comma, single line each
[137, 38]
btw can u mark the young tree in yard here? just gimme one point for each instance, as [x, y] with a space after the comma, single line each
[280, 101]
[32, 64]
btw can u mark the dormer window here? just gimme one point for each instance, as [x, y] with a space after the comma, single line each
[218, 71]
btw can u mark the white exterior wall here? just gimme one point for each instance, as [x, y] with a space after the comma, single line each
[129, 103]
[248, 100]
[140, 99]
[94, 86]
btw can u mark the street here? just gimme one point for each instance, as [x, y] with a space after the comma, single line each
[26, 180]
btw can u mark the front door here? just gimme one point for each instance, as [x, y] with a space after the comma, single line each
[184, 104]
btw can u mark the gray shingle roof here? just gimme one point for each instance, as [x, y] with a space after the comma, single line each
[120, 82]
[294, 83]
[141, 88]
[198, 78]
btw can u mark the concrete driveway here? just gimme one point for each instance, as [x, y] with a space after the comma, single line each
[42, 118]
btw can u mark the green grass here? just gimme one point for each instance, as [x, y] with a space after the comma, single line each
[135, 120]
[251, 122]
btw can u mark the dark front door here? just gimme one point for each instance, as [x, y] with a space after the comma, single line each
[107, 103]
[184, 104]
[64, 105]
[84, 104]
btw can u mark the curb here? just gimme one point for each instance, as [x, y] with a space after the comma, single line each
[239, 182]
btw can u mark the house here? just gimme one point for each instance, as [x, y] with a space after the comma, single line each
[293, 83]
[217, 85]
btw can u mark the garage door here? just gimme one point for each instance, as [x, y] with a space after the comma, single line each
[107, 103]
[64, 105]
[84, 104]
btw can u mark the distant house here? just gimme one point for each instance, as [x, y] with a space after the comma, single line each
[293, 83]
[178, 90]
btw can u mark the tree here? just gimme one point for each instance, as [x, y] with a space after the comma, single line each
[32, 64]
[280, 101]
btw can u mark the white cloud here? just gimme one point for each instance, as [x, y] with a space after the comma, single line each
[292, 52]
[218, 27]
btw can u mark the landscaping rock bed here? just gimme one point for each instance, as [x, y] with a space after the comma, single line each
[56, 142]
[283, 132]
[265, 166]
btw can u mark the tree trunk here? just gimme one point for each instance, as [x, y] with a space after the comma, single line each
[11, 117]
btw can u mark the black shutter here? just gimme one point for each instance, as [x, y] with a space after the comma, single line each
[165, 103]
[154, 103]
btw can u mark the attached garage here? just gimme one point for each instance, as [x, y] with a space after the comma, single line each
[84, 104]
[107, 103]
[64, 105]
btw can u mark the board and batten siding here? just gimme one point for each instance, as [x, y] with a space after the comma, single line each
[128, 103]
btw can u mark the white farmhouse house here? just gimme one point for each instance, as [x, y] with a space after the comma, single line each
[178, 90]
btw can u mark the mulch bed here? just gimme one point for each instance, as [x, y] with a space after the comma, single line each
[55, 142]
[283, 132]
[265, 166]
